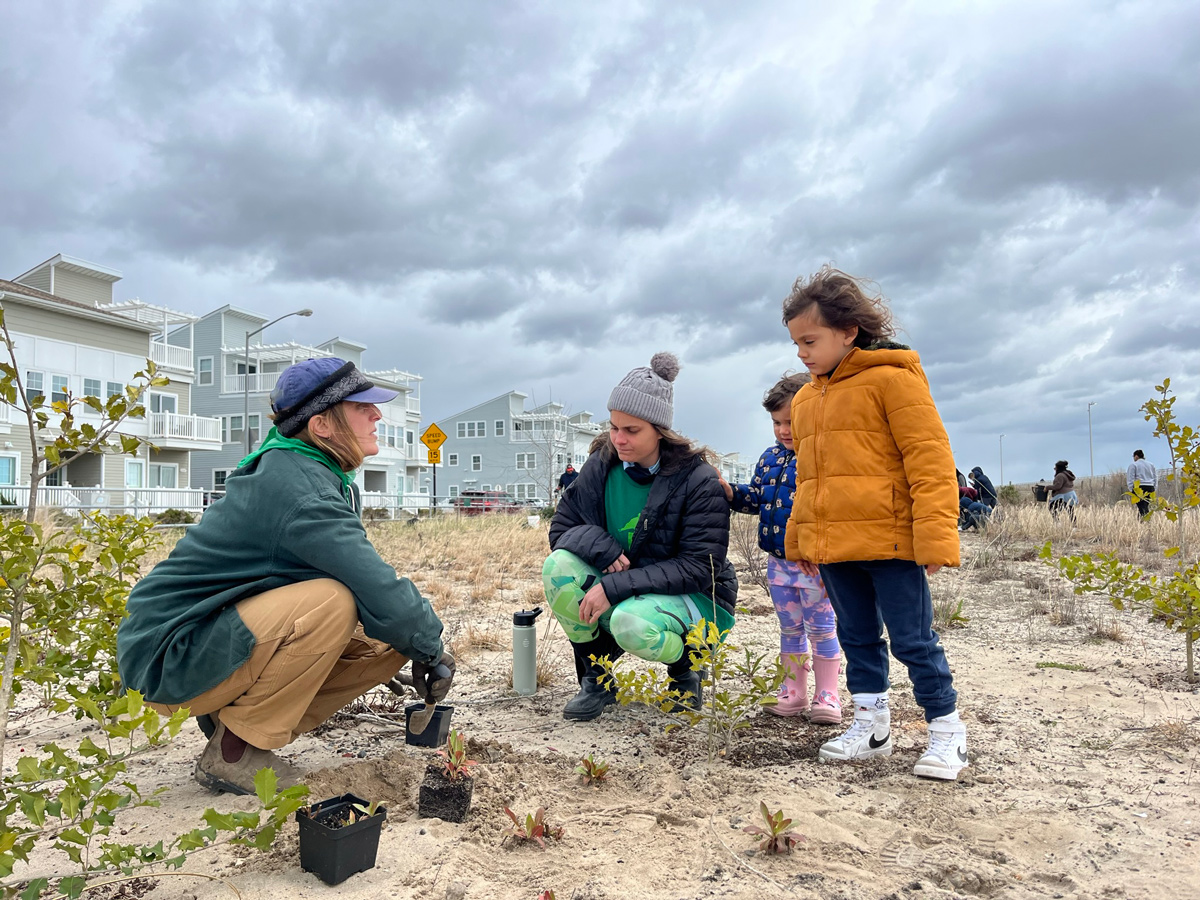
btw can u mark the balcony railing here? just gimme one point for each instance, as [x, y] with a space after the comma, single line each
[188, 428]
[259, 382]
[171, 356]
[140, 501]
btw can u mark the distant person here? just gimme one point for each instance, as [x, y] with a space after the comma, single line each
[1062, 491]
[567, 478]
[640, 544]
[983, 484]
[807, 626]
[876, 510]
[1141, 474]
[962, 479]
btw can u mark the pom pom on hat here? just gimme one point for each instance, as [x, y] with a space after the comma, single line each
[648, 393]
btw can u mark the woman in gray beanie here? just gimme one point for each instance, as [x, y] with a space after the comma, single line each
[639, 544]
[275, 610]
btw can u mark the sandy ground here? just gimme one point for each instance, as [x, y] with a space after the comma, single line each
[1083, 781]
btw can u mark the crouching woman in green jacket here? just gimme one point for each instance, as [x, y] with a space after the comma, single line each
[275, 610]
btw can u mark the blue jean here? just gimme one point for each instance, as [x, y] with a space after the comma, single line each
[892, 592]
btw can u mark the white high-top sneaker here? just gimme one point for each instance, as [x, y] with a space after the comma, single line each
[870, 735]
[947, 753]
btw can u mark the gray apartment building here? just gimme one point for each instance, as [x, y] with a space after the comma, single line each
[500, 445]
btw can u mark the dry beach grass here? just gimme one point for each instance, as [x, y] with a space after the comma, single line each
[1083, 739]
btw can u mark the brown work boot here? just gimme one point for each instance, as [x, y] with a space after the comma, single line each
[216, 774]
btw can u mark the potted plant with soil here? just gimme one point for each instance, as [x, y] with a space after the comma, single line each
[446, 790]
[339, 836]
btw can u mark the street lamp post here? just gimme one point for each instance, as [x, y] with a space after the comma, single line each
[246, 372]
[1091, 458]
[1001, 460]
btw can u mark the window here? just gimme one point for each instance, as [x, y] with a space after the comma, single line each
[486, 487]
[133, 473]
[231, 430]
[253, 428]
[91, 387]
[163, 403]
[8, 470]
[452, 459]
[205, 369]
[454, 490]
[163, 475]
[526, 461]
[524, 491]
[499, 428]
[219, 476]
[410, 438]
[476, 463]
[58, 388]
[518, 425]
[33, 386]
[558, 460]
[113, 388]
[472, 429]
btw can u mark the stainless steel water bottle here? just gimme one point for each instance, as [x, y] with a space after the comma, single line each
[524, 662]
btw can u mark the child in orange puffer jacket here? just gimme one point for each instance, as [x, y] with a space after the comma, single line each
[876, 510]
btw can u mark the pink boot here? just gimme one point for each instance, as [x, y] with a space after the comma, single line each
[793, 693]
[826, 705]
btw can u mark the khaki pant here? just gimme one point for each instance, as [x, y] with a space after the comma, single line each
[310, 659]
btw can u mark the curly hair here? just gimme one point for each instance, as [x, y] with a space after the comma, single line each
[842, 302]
[784, 389]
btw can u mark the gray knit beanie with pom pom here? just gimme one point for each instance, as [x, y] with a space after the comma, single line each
[647, 393]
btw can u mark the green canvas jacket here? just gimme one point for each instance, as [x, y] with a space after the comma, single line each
[284, 519]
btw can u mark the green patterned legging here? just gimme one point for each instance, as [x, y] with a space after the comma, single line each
[650, 626]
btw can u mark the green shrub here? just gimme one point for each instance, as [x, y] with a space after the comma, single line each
[175, 517]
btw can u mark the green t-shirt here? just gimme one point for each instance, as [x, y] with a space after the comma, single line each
[624, 500]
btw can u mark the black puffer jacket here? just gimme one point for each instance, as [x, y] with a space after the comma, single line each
[681, 540]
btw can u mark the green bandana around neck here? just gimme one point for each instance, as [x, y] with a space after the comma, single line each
[276, 441]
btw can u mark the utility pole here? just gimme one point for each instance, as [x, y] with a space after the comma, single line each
[1091, 457]
[1001, 460]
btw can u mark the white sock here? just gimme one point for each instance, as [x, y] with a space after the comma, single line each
[949, 717]
[870, 701]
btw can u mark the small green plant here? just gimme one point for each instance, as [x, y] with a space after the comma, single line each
[363, 810]
[1174, 598]
[1067, 667]
[533, 828]
[594, 771]
[776, 832]
[546, 895]
[457, 766]
[736, 686]
[948, 613]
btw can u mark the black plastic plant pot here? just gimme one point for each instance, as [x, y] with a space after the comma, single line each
[441, 798]
[333, 850]
[435, 732]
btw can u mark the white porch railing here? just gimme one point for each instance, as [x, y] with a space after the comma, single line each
[170, 355]
[191, 428]
[138, 501]
[259, 382]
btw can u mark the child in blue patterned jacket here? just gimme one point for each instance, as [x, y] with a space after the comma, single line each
[805, 614]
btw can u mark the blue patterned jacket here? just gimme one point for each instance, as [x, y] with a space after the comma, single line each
[769, 494]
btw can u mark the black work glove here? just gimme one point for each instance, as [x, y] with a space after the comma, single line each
[434, 679]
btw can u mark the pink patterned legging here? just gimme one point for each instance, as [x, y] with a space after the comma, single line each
[805, 613]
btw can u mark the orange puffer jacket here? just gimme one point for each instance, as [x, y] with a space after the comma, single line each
[874, 473]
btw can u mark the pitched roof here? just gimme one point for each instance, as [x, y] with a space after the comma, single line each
[41, 298]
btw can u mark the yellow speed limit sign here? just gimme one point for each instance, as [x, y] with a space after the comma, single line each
[433, 437]
[435, 456]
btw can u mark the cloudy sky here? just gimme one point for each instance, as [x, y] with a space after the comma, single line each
[538, 196]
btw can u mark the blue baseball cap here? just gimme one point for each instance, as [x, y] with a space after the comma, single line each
[309, 388]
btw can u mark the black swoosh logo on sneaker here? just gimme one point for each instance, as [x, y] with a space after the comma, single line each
[876, 744]
[962, 754]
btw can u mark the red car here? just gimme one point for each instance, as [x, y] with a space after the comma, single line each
[476, 503]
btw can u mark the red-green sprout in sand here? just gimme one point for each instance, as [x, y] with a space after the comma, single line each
[534, 828]
[594, 771]
[778, 836]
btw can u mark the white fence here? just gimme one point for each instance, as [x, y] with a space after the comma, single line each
[192, 428]
[137, 501]
[170, 355]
